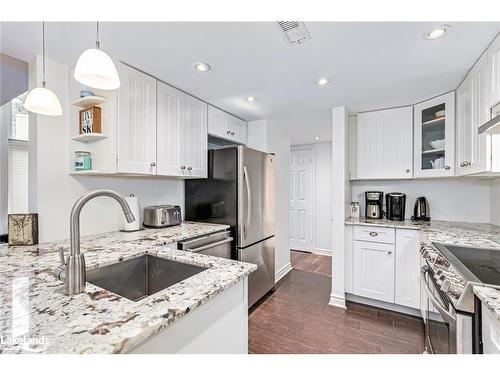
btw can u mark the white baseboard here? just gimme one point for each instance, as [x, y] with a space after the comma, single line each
[384, 305]
[337, 301]
[320, 251]
[283, 271]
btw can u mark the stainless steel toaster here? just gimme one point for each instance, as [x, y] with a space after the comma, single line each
[162, 216]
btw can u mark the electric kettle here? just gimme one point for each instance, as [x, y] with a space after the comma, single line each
[421, 210]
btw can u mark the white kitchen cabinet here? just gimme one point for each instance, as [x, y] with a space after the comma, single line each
[434, 137]
[373, 275]
[473, 149]
[181, 134]
[226, 126]
[493, 72]
[384, 144]
[407, 268]
[136, 122]
[490, 332]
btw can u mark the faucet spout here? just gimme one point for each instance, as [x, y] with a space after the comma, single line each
[75, 270]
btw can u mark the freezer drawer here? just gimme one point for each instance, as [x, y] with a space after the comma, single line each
[260, 281]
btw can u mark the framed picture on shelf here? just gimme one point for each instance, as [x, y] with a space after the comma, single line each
[90, 120]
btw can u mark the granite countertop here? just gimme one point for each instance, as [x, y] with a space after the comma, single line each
[490, 298]
[406, 224]
[37, 317]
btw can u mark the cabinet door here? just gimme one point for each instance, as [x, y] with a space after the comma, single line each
[494, 72]
[194, 138]
[407, 289]
[384, 144]
[171, 120]
[136, 122]
[464, 126]
[434, 139]
[239, 132]
[374, 270]
[217, 122]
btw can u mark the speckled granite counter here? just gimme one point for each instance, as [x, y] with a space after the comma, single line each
[406, 224]
[490, 298]
[36, 316]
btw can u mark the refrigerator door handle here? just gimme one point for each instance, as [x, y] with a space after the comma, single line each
[249, 202]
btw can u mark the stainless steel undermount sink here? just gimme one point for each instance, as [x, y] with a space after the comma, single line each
[140, 277]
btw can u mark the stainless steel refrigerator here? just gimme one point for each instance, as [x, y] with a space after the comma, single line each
[239, 191]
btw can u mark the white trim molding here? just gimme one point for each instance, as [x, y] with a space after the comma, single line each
[320, 251]
[282, 272]
[337, 301]
[383, 305]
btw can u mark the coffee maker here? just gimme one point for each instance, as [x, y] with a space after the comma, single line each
[373, 204]
[395, 206]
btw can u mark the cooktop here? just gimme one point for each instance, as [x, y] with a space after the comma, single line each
[483, 264]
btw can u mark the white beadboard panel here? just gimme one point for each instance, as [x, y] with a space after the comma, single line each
[451, 199]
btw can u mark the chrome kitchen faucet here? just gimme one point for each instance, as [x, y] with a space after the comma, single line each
[72, 269]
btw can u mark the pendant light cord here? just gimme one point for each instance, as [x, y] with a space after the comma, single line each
[43, 54]
[97, 43]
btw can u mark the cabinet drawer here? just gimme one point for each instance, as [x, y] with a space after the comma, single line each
[374, 234]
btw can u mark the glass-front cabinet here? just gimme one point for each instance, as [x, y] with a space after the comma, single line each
[434, 138]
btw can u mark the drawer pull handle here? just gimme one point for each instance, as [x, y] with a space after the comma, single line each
[373, 234]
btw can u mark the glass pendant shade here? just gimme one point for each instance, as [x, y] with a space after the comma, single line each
[43, 101]
[95, 69]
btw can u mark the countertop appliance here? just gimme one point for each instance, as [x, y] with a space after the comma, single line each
[215, 244]
[239, 191]
[162, 216]
[421, 210]
[461, 316]
[373, 204]
[395, 206]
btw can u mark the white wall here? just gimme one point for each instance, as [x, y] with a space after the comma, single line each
[57, 190]
[449, 199]
[495, 202]
[279, 143]
[257, 135]
[322, 196]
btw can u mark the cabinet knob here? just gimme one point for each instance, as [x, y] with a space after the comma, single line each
[232, 133]
[183, 167]
[447, 167]
[373, 234]
[468, 163]
[462, 164]
[228, 132]
[389, 252]
[408, 170]
[153, 164]
[189, 168]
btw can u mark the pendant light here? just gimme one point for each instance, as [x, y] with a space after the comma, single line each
[41, 100]
[95, 68]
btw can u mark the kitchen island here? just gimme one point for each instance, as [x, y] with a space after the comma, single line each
[37, 317]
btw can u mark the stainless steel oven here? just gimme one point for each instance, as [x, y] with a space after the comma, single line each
[440, 335]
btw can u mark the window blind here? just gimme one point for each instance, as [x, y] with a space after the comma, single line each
[18, 176]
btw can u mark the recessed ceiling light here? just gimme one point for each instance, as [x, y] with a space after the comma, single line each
[437, 32]
[316, 138]
[202, 67]
[251, 99]
[323, 81]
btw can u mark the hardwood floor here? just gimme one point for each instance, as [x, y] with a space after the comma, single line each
[308, 262]
[296, 318]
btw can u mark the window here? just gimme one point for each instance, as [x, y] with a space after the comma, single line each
[18, 160]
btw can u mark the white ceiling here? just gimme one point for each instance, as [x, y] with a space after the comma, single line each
[371, 65]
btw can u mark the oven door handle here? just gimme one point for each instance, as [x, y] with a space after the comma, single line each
[435, 302]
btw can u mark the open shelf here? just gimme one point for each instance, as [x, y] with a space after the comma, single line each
[434, 121]
[433, 151]
[89, 101]
[89, 137]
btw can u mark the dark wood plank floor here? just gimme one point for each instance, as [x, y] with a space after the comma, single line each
[311, 262]
[298, 319]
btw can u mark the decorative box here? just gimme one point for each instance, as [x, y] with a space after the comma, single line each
[90, 120]
[23, 229]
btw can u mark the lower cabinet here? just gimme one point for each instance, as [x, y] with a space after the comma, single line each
[490, 332]
[387, 271]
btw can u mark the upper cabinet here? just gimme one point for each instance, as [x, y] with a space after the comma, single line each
[226, 126]
[473, 149]
[136, 122]
[434, 137]
[494, 72]
[384, 143]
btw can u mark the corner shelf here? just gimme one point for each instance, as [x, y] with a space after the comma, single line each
[89, 101]
[89, 137]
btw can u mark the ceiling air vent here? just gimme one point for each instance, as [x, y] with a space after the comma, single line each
[295, 32]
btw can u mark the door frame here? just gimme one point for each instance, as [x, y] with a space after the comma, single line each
[313, 191]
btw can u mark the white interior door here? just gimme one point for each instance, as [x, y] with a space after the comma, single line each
[301, 203]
